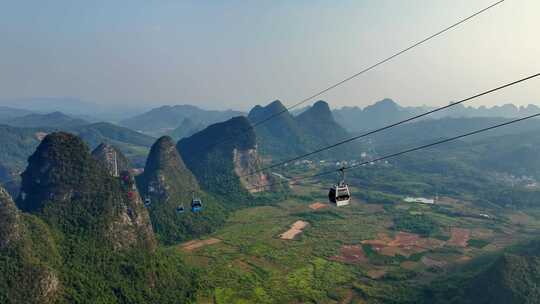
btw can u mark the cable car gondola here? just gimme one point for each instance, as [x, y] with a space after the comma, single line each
[147, 202]
[339, 193]
[180, 209]
[196, 204]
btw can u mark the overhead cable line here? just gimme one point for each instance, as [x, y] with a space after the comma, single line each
[333, 86]
[398, 153]
[389, 126]
[351, 77]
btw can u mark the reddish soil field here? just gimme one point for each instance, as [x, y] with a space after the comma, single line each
[351, 254]
[459, 237]
[317, 206]
[408, 265]
[404, 243]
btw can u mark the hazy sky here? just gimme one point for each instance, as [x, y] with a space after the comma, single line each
[235, 54]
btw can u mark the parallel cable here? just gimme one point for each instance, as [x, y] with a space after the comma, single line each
[389, 126]
[351, 77]
[398, 153]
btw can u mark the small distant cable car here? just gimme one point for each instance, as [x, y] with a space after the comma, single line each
[339, 193]
[147, 202]
[196, 204]
[180, 209]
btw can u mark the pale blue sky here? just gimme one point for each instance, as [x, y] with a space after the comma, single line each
[235, 54]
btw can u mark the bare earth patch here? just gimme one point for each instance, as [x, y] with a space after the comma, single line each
[348, 298]
[464, 259]
[520, 218]
[376, 273]
[404, 243]
[196, 244]
[459, 237]
[296, 229]
[432, 263]
[317, 206]
[409, 265]
[351, 254]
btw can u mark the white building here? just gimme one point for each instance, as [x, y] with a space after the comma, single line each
[421, 200]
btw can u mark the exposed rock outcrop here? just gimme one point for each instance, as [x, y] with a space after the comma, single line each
[221, 153]
[246, 164]
[112, 159]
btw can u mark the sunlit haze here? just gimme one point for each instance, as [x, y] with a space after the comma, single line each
[235, 54]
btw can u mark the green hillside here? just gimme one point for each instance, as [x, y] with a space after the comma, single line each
[85, 236]
[50, 120]
[209, 155]
[169, 184]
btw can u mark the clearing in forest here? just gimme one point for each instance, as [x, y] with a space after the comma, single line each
[351, 254]
[296, 229]
[459, 237]
[404, 243]
[196, 244]
[317, 206]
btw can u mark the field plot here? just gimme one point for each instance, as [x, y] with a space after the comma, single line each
[354, 250]
[459, 237]
[295, 230]
[351, 254]
[195, 244]
[403, 243]
[317, 206]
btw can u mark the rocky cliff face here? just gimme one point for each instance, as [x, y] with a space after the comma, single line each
[112, 159]
[246, 162]
[221, 153]
[65, 186]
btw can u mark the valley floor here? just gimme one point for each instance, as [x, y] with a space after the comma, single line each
[359, 253]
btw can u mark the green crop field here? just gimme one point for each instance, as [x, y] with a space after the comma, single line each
[252, 264]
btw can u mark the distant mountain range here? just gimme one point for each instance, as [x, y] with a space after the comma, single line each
[387, 111]
[53, 120]
[163, 120]
[7, 113]
[75, 107]
[17, 143]
[286, 135]
[187, 128]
